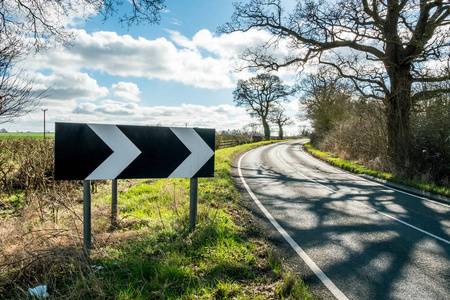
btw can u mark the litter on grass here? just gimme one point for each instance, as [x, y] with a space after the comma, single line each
[40, 291]
[96, 268]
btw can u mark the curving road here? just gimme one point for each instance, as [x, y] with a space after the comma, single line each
[350, 237]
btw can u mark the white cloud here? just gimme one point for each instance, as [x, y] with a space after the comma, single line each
[220, 117]
[229, 45]
[126, 56]
[182, 60]
[69, 85]
[291, 108]
[181, 40]
[79, 12]
[126, 90]
[107, 107]
[175, 22]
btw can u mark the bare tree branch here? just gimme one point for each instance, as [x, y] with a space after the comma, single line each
[31, 25]
[16, 95]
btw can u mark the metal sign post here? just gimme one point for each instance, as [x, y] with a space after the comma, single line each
[113, 202]
[87, 216]
[193, 192]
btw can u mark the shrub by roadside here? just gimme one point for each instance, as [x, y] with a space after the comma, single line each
[359, 169]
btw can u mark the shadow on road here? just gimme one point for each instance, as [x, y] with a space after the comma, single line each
[340, 225]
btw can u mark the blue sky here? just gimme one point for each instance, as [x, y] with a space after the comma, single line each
[180, 71]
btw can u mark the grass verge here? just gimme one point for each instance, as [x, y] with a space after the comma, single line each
[359, 169]
[23, 135]
[149, 253]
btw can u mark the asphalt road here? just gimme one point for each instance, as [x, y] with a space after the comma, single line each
[349, 237]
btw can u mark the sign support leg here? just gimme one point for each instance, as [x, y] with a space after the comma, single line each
[113, 202]
[87, 217]
[193, 203]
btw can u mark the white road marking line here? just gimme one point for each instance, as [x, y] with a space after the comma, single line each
[407, 224]
[382, 213]
[326, 281]
[374, 182]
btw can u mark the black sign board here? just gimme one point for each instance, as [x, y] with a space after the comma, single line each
[98, 151]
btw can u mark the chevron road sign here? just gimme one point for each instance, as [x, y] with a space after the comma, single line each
[96, 151]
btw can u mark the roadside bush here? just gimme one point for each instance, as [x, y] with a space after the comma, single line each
[26, 177]
[8, 162]
[362, 137]
[430, 140]
[26, 164]
[35, 161]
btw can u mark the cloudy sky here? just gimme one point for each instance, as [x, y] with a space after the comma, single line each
[172, 74]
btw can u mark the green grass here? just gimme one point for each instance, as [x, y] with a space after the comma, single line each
[22, 135]
[156, 257]
[359, 169]
[15, 203]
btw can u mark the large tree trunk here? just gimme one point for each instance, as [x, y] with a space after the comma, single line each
[280, 131]
[266, 129]
[398, 108]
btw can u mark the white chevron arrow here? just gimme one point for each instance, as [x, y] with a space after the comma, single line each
[124, 152]
[200, 153]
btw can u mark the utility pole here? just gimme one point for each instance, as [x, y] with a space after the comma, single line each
[44, 110]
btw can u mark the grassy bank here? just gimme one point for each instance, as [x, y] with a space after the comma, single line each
[23, 135]
[149, 253]
[359, 169]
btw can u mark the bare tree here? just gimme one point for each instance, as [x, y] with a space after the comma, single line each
[259, 95]
[35, 23]
[326, 101]
[383, 47]
[278, 117]
[16, 95]
[253, 127]
[30, 25]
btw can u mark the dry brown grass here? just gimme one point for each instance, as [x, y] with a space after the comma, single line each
[44, 242]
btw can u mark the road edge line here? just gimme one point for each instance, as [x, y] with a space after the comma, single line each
[365, 205]
[420, 194]
[317, 271]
